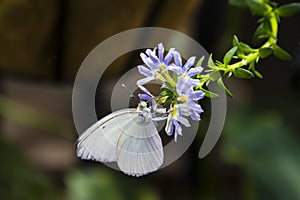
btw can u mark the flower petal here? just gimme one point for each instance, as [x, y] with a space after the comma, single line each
[161, 50]
[177, 58]
[169, 56]
[194, 71]
[174, 68]
[180, 85]
[169, 126]
[184, 109]
[199, 94]
[195, 116]
[145, 97]
[195, 106]
[142, 82]
[189, 63]
[149, 51]
[196, 95]
[193, 82]
[183, 121]
[144, 71]
[152, 55]
[148, 62]
[178, 130]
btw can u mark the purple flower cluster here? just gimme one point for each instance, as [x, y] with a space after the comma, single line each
[171, 73]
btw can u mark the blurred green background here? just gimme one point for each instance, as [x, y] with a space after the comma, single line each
[42, 46]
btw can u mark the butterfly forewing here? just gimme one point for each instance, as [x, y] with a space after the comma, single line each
[100, 140]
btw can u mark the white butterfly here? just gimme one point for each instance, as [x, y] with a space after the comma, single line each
[128, 137]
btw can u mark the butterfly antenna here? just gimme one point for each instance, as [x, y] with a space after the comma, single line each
[131, 93]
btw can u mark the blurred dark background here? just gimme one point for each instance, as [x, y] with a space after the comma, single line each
[43, 43]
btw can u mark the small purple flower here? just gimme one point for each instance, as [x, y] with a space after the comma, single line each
[185, 91]
[155, 64]
[187, 71]
[186, 107]
[176, 118]
[187, 95]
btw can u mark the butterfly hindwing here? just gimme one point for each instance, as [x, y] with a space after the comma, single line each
[139, 148]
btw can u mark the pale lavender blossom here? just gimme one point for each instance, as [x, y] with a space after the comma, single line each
[186, 71]
[187, 95]
[187, 107]
[155, 64]
[176, 119]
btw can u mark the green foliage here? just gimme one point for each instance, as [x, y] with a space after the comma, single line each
[200, 61]
[235, 41]
[209, 94]
[244, 54]
[167, 95]
[266, 25]
[260, 33]
[282, 54]
[211, 63]
[257, 7]
[288, 9]
[242, 73]
[214, 75]
[221, 84]
[252, 68]
[265, 52]
[228, 56]
[245, 48]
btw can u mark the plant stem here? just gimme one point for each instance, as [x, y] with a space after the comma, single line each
[250, 58]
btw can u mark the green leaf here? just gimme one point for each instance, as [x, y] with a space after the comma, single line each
[166, 92]
[242, 73]
[228, 56]
[209, 94]
[281, 54]
[257, 73]
[257, 7]
[266, 25]
[167, 95]
[213, 76]
[265, 52]
[252, 68]
[239, 3]
[200, 61]
[168, 101]
[211, 63]
[245, 48]
[235, 41]
[221, 84]
[288, 9]
[260, 33]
